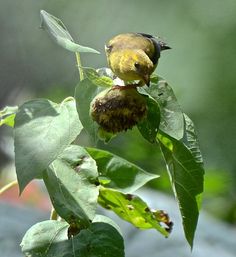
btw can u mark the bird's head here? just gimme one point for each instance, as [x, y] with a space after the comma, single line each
[135, 65]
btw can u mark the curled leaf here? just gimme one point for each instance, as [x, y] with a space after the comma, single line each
[59, 33]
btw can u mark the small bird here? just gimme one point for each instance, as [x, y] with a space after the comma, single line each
[134, 56]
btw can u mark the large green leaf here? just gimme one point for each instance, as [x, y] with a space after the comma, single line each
[84, 94]
[7, 115]
[46, 237]
[134, 210]
[42, 131]
[49, 239]
[115, 172]
[105, 219]
[171, 122]
[150, 125]
[60, 34]
[70, 181]
[190, 139]
[186, 175]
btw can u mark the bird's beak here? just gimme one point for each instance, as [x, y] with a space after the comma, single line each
[165, 47]
[146, 79]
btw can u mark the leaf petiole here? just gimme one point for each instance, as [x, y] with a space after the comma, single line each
[8, 186]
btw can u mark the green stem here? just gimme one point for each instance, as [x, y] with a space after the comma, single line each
[54, 215]
[8, 186]
[79, 64]
[67, 99]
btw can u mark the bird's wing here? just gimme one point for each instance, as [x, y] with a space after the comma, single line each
[148, 43]
[159, 46]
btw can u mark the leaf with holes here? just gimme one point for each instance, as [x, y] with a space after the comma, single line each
[134, 210]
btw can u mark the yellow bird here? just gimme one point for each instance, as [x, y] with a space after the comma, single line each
[134, 56]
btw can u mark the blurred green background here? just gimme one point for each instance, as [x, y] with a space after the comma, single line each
[200, 68]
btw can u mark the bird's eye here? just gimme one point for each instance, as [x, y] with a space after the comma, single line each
[137, 65]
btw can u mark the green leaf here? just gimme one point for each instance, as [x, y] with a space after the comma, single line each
[190, 139]
[187, 181]
[43, 129]
[97, 79]
[105, 219]
[134, 210]
[45, 238]
[49, 238]
[101, 239]
[60, 34]
[119, 173]
[70, 181]
[172, 122]
[84, 94]
[7, 115]
[104, 135]
[149, 126]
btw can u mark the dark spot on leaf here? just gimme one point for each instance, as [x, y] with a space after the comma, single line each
[77, 168]
[163, 217]
[170, 226]
[147, 209]
[96, 183]
[129, 197]
[79, 163]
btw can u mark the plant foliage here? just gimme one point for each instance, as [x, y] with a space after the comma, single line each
[79, 178]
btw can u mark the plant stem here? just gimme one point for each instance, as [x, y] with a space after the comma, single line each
[8, 186]
[53, 215]
[67, 99]
[79, 64]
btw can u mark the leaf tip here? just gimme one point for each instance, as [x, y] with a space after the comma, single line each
[21, 186]
[43, 13]
[96, 52]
